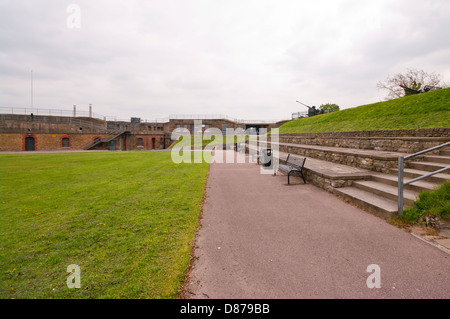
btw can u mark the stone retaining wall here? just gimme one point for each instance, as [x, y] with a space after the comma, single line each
[378, 164]
[426, 132]
[405, 141]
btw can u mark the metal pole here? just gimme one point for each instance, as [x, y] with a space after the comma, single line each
[427, 175]
[427, 150]
[400, 185]
[31, 91]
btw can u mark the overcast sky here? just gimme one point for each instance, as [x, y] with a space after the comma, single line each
[245, 59]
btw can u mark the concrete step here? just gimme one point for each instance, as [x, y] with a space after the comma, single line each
[444, 153]
[392, 180]
[376, 204]
[425, 166]
[387, 191]
[413, 173]
[437, 159]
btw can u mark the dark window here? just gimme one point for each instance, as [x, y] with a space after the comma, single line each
[140, 141]
[65, 142]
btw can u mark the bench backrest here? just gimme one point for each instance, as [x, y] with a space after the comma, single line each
[295, 161]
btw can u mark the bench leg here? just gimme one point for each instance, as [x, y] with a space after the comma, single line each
[301, 173]
[304, 181]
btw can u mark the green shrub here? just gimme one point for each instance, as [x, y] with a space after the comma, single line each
[430, 203]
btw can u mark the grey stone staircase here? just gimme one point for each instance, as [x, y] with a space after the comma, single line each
[367, 177]
[379, 193]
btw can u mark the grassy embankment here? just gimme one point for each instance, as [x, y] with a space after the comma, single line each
[426, 110]
[126, 218]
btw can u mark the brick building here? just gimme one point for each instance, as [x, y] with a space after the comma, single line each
[50, 133]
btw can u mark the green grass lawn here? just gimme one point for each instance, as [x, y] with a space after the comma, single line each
[426, 110]
[126, 218]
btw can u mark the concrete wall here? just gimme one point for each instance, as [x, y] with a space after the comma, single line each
[49, 124]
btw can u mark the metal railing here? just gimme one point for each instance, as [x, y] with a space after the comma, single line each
[79, 113]
[220, 117]
[402, 184]
[49, 112]
[298, 115]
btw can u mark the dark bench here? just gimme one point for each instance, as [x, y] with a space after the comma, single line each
[293, 164]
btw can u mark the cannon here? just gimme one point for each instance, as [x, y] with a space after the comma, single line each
[426, 88]
[311, 110]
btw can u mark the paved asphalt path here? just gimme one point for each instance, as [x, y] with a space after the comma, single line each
[261, 238]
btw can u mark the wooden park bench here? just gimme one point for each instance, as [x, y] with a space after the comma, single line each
[293, 164]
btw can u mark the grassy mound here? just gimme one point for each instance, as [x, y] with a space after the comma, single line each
[426, 110]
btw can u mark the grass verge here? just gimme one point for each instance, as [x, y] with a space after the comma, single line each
[433, 203]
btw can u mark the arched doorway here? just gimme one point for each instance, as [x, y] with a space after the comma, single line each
[153, 143]
[30, 143]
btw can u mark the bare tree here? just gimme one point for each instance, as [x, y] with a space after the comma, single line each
[398, 84]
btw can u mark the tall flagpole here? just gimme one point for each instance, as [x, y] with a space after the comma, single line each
[31, 90]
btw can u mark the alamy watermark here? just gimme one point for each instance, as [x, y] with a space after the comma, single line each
[374, 280]
[74, 279]
[74, 19]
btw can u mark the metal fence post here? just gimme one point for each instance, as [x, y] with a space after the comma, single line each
[400, 185]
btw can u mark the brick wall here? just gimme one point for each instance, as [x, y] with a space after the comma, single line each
[44, 142]
[54, 142]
